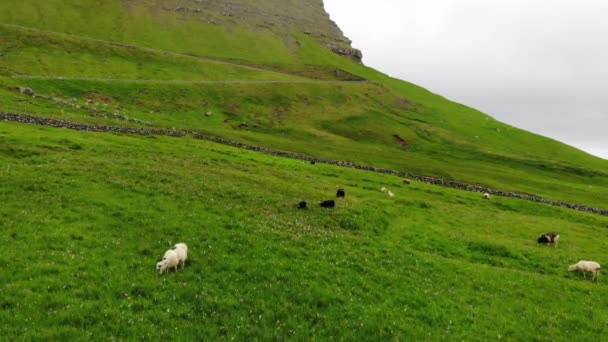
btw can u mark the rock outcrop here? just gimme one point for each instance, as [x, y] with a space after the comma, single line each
[278, 16]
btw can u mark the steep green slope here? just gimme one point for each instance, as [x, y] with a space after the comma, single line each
[85, 217]
[344, 121]
[271, 41]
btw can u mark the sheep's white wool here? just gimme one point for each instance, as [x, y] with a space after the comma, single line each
[587, 266]
[486, 195]
[390, 194]
[182, 253]
[170, 259]
[383, 189]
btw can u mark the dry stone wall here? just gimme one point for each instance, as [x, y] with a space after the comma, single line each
[28, 119]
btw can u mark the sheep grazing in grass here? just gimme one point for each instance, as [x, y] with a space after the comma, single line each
[328, 204]
[549, 239]
[341, 193]
[387, 191]
[182, 253]
[302, 205]
[170, 259]
[407, 181]
[486, 196]
[587, 266]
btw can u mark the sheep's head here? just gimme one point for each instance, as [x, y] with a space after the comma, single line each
[161, 266]
[572, 268]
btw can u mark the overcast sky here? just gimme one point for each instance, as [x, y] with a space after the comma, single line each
[541, 65]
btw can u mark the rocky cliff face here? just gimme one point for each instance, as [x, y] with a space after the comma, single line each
[279, 16]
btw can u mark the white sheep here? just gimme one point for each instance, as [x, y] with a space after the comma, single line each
[486, 196]
[383, 189]
[587, 266]
[182, 253]
[390, 194]
[170, 259]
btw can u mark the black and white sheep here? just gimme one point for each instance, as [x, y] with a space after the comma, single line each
[549, 239]
[587, 266]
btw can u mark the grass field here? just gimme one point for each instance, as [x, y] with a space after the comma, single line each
[85, 217]
[350, 117]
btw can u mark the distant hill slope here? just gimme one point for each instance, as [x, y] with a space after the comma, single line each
[268, 66]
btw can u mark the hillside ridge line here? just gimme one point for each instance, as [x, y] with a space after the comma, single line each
[33, 120]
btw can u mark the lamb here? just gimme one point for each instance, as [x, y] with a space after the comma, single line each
[182, 253]
[486, 196]
[302, 205]
[170, 259]
[383, 189]
[549, 238]
[587, 266]
[341, 193]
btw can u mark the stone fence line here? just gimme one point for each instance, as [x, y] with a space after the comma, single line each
[28, 119]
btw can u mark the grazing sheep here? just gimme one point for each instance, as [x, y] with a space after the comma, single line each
[170, 259]
[312, 162]
[182, 253]
[549, 239]
[328, 204]
[486, 196]
[341, 193]
[302, 205]
[407, 181]
[387, 191]
[587, 266]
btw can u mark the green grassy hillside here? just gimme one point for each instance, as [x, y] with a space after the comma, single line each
[85, 217]
[298, 113]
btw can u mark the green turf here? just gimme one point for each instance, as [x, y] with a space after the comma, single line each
[85, 217]
[338, 120]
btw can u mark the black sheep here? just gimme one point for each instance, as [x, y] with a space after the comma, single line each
[328, 204]
[302, 205]
[341, 193]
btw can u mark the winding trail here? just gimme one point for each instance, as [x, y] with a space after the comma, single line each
[33, 120]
